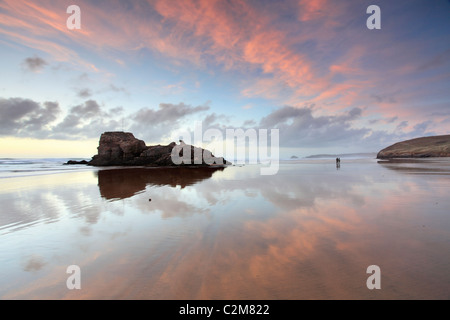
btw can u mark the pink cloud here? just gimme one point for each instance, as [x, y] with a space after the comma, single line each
[267, 58]
[312, 9]
[234, 35]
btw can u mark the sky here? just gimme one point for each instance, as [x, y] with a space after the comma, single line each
[311, 69]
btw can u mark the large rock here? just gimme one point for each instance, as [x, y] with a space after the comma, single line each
[158, 155]
[117, 148]
[123, 149]
[436, 146]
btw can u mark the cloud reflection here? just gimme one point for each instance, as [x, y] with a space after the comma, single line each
[308, 232]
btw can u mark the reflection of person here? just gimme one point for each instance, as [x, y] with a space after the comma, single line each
[338, 163]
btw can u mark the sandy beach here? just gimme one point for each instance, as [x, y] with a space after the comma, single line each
[309, 232]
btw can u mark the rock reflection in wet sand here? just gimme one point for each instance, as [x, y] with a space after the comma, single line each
[126, 182]
[309, 232]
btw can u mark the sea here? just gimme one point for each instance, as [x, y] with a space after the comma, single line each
[364, 229]
[21, 167]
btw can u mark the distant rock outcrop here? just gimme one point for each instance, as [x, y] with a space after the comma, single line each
[76, 162]
[425, 147]
[123, 149]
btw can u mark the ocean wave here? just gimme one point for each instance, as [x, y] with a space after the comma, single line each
[16, 167]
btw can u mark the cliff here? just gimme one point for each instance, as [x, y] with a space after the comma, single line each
[123, 149]
[436, 146]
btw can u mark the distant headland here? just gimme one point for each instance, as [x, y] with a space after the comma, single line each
[425, 147]
[123, 149]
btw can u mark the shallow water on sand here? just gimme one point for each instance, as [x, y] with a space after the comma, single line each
[308, 232]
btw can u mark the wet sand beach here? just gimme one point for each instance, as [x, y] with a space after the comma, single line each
[308, 232]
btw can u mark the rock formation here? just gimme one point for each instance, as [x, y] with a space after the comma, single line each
[425, 147]
[117, 148]
[76, 162]
[123, 149]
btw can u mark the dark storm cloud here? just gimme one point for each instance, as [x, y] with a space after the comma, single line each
[402, 125]
[249, 123]
[166, 113]
[87, 110]
[422, 129]
[153, 125]
[34, 64]
[25, 117]
[436, 62]
[79, 114]
[386, 120]
[114, 88]
[384, 98]
[86, 120]
[216, 121]
[300, 128]
[391, 119]
[84, 93]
